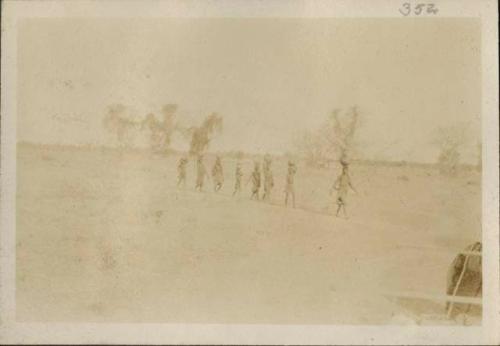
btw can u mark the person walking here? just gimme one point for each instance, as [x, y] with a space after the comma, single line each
[238, 177]
[342, 186]
[290, 180]
[182, 172]
[268, 178]
[256, 181]
[217, 174]
[201, 173]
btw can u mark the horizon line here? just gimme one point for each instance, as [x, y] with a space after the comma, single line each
[87, 146]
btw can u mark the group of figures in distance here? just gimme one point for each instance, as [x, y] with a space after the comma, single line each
[333, 141]
[161, 131]
[340, 142]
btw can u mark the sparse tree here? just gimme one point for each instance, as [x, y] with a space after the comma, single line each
[161, 130]
[450, 140]
[201, 136]
[333, 140]
[342, 142]
[312, 147]
[119, 124]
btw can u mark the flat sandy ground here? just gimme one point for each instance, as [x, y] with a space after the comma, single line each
[107, 236]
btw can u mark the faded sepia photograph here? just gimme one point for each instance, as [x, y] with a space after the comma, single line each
[274, 171]
[203, 167]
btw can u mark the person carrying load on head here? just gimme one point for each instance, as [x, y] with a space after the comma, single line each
[217, 174]
[342, 186]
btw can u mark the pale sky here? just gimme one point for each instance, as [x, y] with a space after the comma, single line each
[268, 78]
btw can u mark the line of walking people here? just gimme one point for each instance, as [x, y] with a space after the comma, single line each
[266, 179]
[258, 179]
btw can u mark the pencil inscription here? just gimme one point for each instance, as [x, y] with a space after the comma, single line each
[418, 9]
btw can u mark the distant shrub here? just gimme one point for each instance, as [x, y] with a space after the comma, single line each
[450, 140]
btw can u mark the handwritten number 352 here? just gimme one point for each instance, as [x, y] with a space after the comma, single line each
[418, 9]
